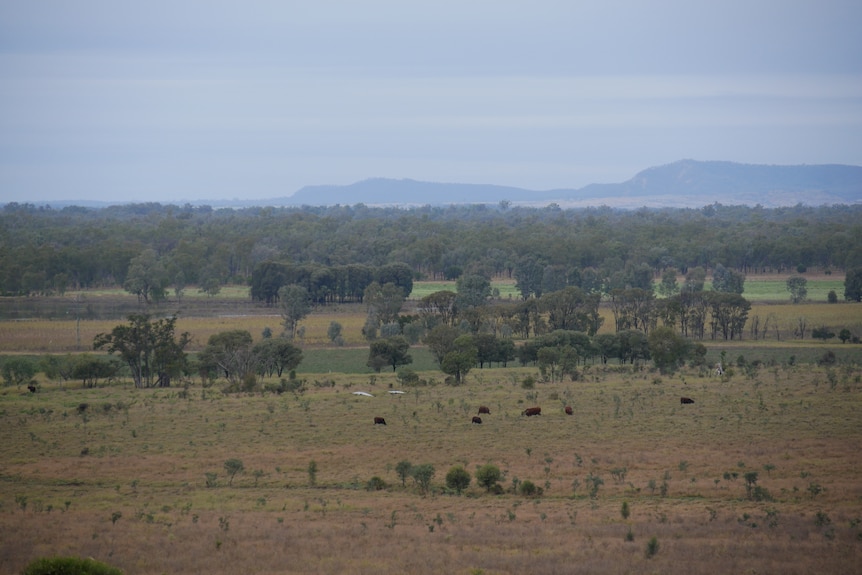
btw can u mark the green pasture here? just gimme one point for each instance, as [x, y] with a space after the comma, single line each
[756, 289]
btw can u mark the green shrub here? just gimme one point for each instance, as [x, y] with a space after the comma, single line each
[375, 484]
[69, 566]
[458, 479]
[488, 475]
[652, 547]
[527, 488]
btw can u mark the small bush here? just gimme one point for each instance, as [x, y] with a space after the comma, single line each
[488, 475]
[528, 488]
[375, 484]
[69, 566]
[652, 547]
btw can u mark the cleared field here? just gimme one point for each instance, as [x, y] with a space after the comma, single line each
[760, 474]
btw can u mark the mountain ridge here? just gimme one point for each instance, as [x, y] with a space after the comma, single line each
[684, 183]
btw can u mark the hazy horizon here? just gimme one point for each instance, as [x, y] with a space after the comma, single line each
[190, 100]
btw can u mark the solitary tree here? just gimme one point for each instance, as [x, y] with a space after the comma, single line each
[797, 286]
[233, 466]
[151, 350]
[853, 285]
[390, 351]
[667, 348]
[461, 359]
[458, 479]
[422, 475]
[147, 277]
[275, 356]
[229, 354]
[295, 305]
[403, 469]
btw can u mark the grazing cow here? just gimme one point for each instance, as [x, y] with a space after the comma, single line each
[569, 410]
[379, 421]
[530, 411]
[477, 419]
[483, 409]
[32, 388]
[684, 400]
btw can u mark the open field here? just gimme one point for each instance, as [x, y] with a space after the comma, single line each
[68, 335]
[760, 474]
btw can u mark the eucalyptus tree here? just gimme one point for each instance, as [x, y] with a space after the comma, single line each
[853, 285]
[439, 308]
[460, 360]
[275, 355]
[727, 281]
[391, 351]
[151, 349]
[147, 277]
[229, 354]
[295, 305]
[572, 309]
[797, 286]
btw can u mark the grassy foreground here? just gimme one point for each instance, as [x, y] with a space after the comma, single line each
[761, 474]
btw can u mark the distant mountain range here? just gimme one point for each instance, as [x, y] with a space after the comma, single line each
[686, 183]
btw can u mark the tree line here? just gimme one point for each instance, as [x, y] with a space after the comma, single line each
[153, 249]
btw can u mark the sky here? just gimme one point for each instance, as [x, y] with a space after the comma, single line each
[188, 100]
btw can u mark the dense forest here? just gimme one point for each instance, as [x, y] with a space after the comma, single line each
[45, 250]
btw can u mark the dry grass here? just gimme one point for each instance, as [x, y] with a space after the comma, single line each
[147, 453]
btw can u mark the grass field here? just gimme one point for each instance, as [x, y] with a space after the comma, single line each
[760, 474]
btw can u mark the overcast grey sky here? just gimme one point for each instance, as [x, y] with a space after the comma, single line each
[175, 100]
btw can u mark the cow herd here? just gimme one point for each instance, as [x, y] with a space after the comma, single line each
[529, 412]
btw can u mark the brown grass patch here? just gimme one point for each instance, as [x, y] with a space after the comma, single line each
[144, 455]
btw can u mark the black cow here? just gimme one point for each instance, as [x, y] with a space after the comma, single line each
[483, 409]
[32, 388]
[569, 410]
[684, 400]
[477, 419]
[530, 411]
[379, 421]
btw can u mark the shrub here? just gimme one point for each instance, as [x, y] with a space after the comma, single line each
[488, 475]
[422, 475]
[652, 547]
[529, 489]
[375, 484]
[458, 479]
[69, 566]
[403, 469]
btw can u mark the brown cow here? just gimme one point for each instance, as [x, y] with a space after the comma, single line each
[379, 421]
[684, 400]
[569, 410]
[530, 411]
[483, 409]
[477, 419]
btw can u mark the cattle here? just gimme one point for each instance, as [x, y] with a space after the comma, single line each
[684, 400]
[483, 409]
[379, 421]
[32, 388]
[530, 411]
[569, 410]
[477, 419]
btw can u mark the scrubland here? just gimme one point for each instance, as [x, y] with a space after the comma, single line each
[761, 474]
